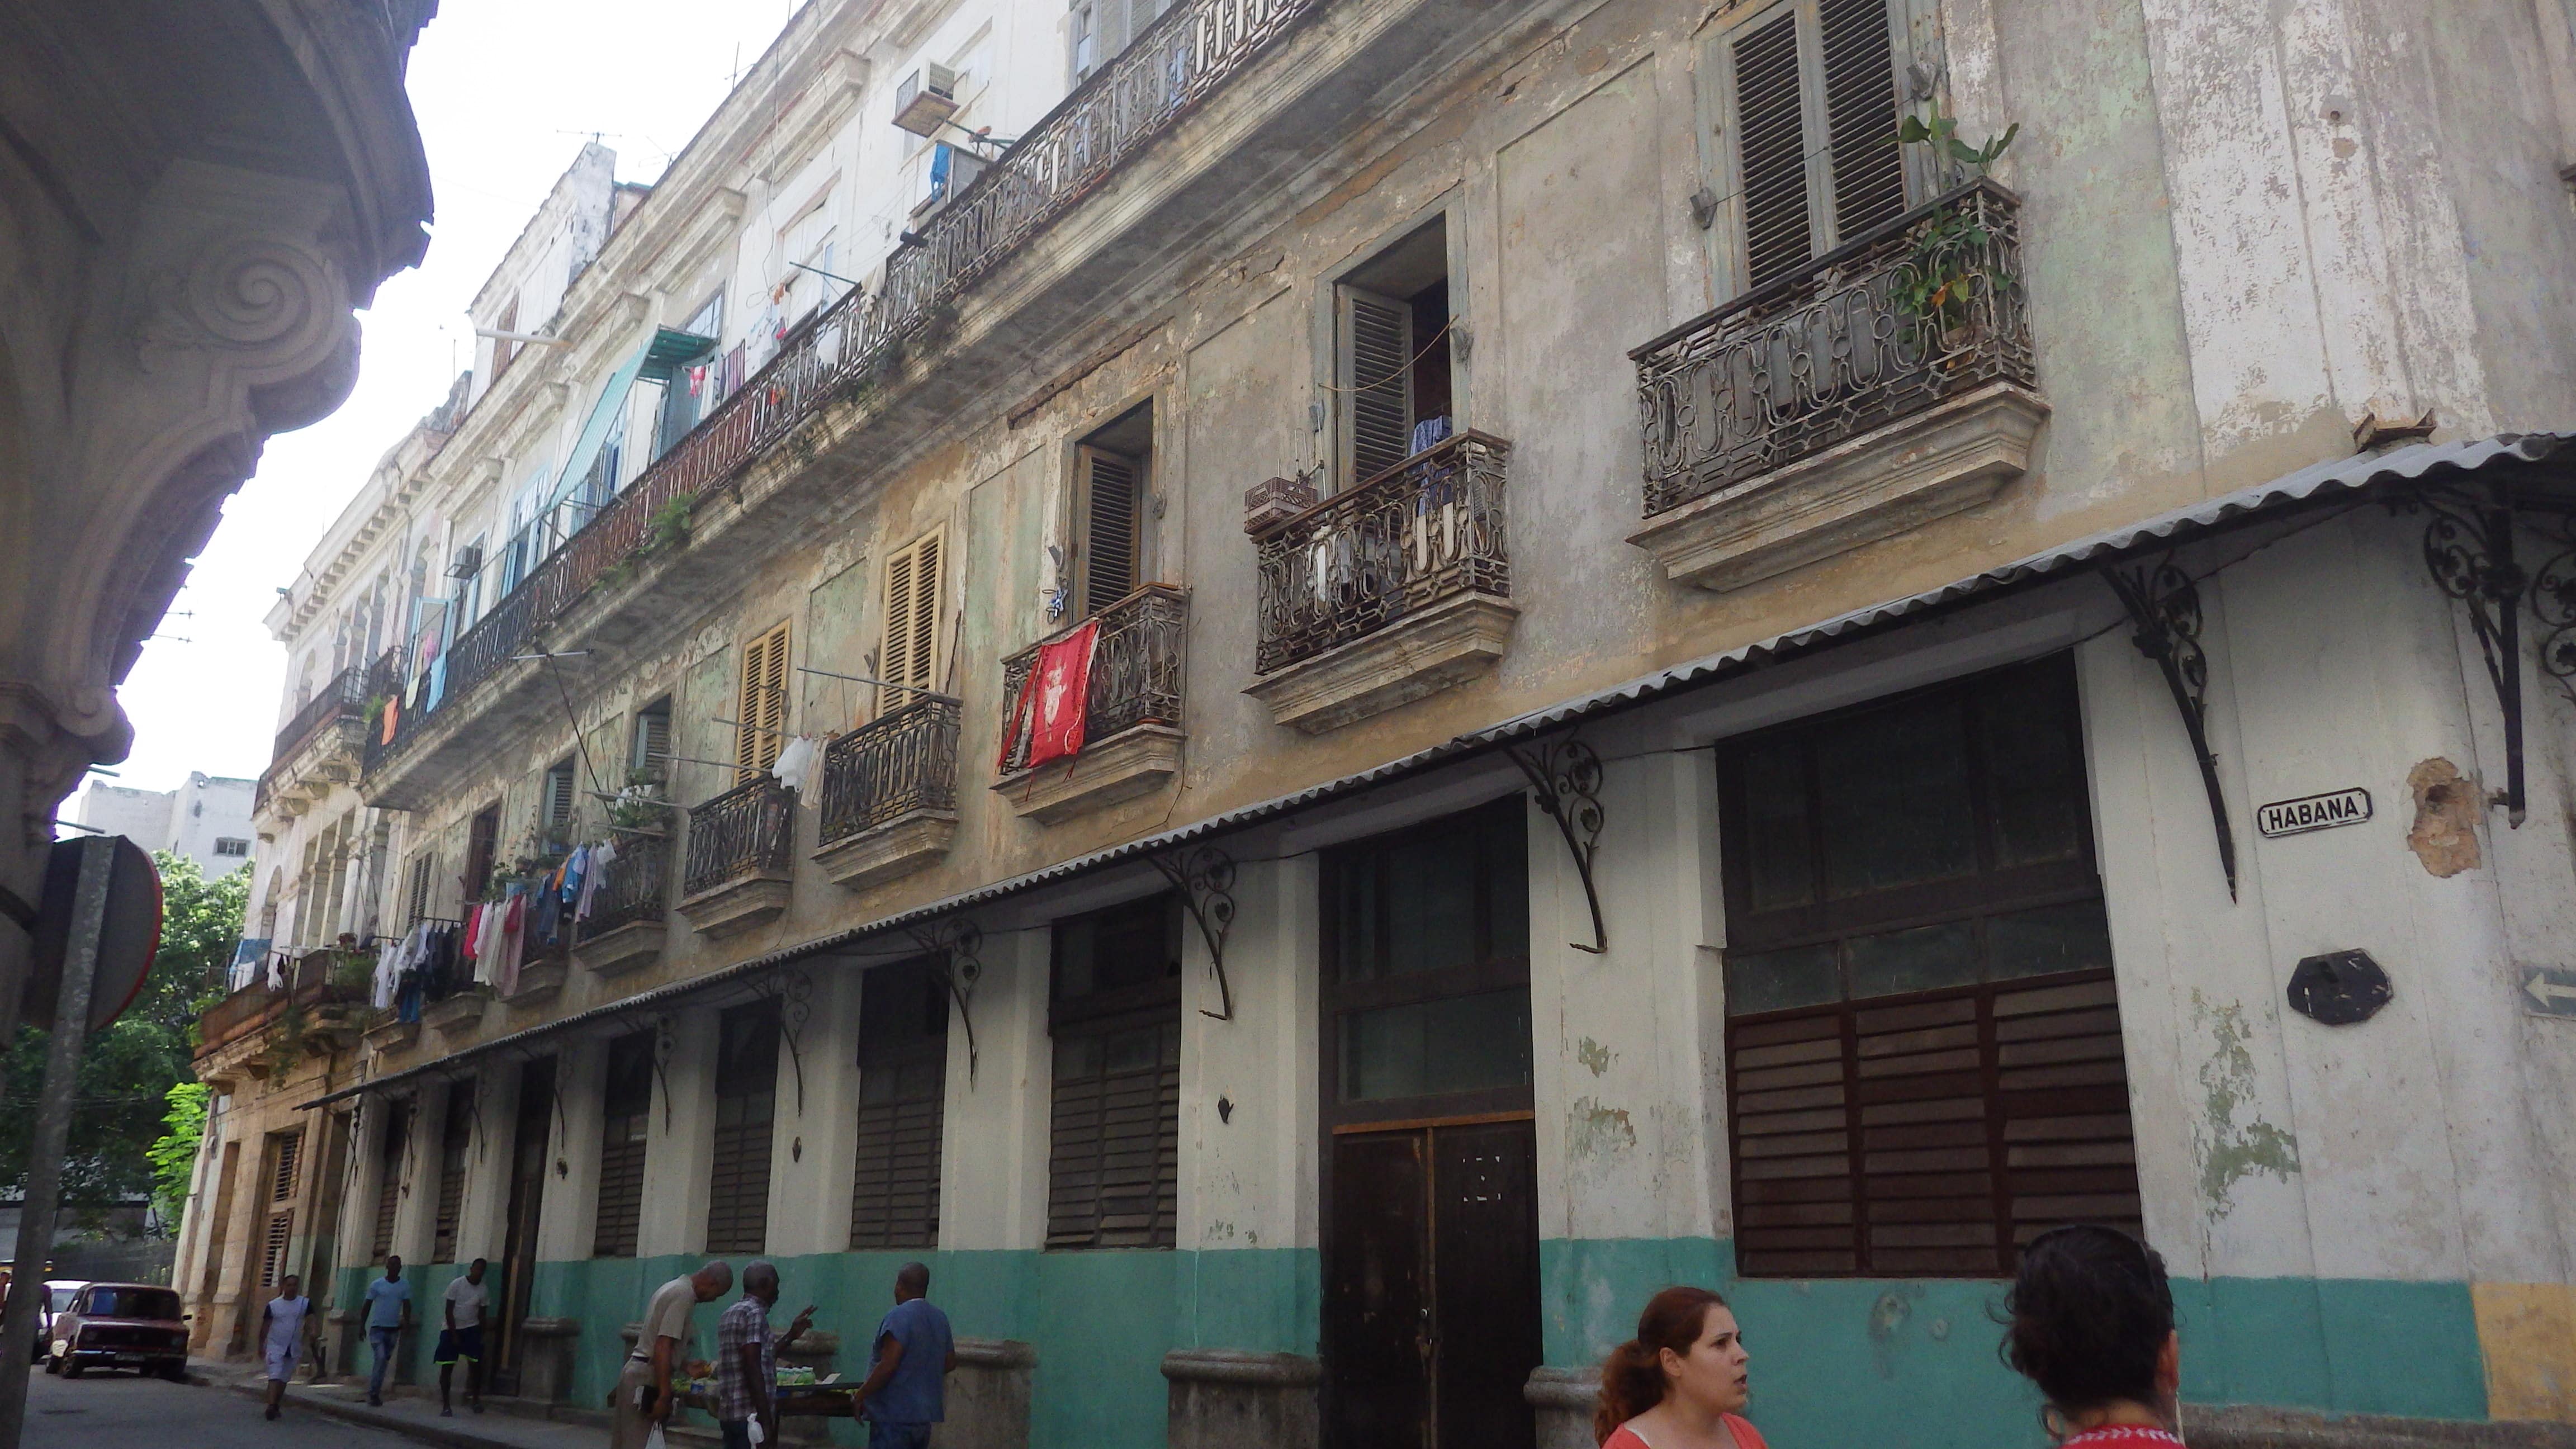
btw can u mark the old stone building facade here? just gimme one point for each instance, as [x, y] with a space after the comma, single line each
[1674, 687]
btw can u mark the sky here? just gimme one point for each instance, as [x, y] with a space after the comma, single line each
[506, 92]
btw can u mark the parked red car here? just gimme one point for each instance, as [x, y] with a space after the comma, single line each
[120, 1325]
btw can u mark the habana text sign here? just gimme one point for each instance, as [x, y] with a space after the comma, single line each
[2313, 812]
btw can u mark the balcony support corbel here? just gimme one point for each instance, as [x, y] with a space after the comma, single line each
[955, 942]
[793, 991]
[1567, 778]
[1205, 879]
[2164, 603]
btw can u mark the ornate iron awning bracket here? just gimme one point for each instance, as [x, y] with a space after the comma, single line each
[1205, 879]
[663, 1042]
[1567, 778]
[2164, 603]
[2469, 550]
[793, 990]
[955, 943]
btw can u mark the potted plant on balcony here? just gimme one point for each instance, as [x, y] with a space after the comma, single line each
[1949, 263]
[637, 807]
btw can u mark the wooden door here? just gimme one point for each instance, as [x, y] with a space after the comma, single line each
[528, 1157]
[1431, 1314]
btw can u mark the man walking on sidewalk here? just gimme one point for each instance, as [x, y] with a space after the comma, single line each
[466, 1314]
[286, 1329]
[644, 1396]
[388, 1314]
[910, 1360]
[747, 1359]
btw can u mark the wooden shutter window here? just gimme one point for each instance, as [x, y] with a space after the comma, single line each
[653, 737]
[626, 1110]
[559, 800]
[1771, 149]
[289, 1149]
[389, 1182]
[1860, 106]
[272, 1251]
[454, 1139]
[1110, 489]
[1113, 1168]
[1376, 376]
[903, 1087]
[909, 652]
[746, 1109]
[760, 705]
[482, 844]
[422, 870]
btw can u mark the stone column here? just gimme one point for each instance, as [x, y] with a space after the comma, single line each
[1228, 1399]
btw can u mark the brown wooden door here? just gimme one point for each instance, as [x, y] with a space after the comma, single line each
[1431, 1316]
[527, 1201]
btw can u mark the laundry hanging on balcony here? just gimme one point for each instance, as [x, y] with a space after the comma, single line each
[1055, 700]
[659, 357]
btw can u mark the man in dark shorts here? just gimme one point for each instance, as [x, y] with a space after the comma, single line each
[909, 1362]
[467, 1308]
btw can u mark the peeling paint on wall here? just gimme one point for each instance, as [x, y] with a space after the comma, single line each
[1887, 1319]
[1594, 1130]
[1593, 1055]
[2230, 1153]
[2445, 833]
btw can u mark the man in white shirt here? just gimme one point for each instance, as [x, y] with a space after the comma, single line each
[286, 1326]
[467, 1308]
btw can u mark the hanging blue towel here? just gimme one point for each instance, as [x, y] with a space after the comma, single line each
[1431, 433]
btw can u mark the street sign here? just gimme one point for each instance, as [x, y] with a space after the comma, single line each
[127, 942]
[2549, 990]
[2313, 812]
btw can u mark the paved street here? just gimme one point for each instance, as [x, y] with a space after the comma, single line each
[109, 1411]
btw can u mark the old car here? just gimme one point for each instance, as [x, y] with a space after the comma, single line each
[120, 1325]
[59, 1293]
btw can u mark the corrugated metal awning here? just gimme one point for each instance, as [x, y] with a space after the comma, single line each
[2341, 482]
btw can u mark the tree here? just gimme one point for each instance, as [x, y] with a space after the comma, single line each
[123, 1108]
[174, 1154]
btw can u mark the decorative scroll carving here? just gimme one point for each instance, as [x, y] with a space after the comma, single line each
[2164, 603]
[1567, 778]
[1205, 879]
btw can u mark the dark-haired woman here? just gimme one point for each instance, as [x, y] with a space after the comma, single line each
[2092, 1323]
[1679, 1383]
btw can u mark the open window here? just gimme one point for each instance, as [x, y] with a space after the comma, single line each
[1392, 355]
[691, 390]
[652, 743]
[1100, 29]
[1811, 101]
[556, 805]
[1112, 469]
[482, 846]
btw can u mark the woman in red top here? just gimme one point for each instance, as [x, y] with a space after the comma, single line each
[1679, 1382]
[2092, 1323]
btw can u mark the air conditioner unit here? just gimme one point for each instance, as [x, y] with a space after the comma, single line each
[952, 170]
[926, 99]
[469, 562]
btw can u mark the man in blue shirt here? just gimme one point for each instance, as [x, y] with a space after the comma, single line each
[388, 1314]
[908, 1369]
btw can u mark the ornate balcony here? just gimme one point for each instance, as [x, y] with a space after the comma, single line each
[1887, 385]
[1388, 591]
[626, 928]
[1133, 728]
[737, 866]
[323, 1005]
[889, 803]
[1183, 57]
[324, 745]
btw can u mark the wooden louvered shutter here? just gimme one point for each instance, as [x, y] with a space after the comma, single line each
[1113, 1177]
[559, 801]
[1860, 108]
[760, 705]
[903, 1088]
[653, 738]
[389, 1183]
[289, 1151]
[454, 1139]
[626, 1111]
[1109, 528]
[746, 1109]
[1771, 149]
[909, 654]
[272, 1252]
[1376, 376]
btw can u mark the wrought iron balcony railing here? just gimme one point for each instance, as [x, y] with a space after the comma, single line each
[890, 767]
[319, 978]
[636, 889]
[1921, 308]
[1136, 669]
[1425, 530]
[345, 694]
[745, 831]
[1179, 60]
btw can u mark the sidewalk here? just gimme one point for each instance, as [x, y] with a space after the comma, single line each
[413, 1412]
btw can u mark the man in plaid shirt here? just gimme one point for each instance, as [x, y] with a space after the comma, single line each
[747, 1359]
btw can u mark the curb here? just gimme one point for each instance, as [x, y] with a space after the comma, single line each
[454, 1438]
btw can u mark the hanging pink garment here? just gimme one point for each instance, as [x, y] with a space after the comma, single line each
[514, 926]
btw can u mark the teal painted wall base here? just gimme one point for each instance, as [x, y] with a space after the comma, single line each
[1914, 1361]
[1835, 1361]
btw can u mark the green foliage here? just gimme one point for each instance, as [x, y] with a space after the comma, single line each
[122, 1098]
[1940, 132]
[667, 528]
[173, 1154]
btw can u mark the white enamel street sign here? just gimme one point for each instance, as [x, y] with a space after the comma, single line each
[2313, 812]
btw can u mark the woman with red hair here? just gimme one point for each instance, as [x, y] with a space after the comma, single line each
[1680, 1383]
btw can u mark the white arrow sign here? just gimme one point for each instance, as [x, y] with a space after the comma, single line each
[2552, 992]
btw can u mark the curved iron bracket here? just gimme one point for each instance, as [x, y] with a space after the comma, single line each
[1567, 777]
[954, 942]
[793, 990]
[1205, 879]
[663, 1042]
[2164, 602]
[2468, 549]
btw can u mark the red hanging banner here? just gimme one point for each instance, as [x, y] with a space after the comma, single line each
[1054, 706]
